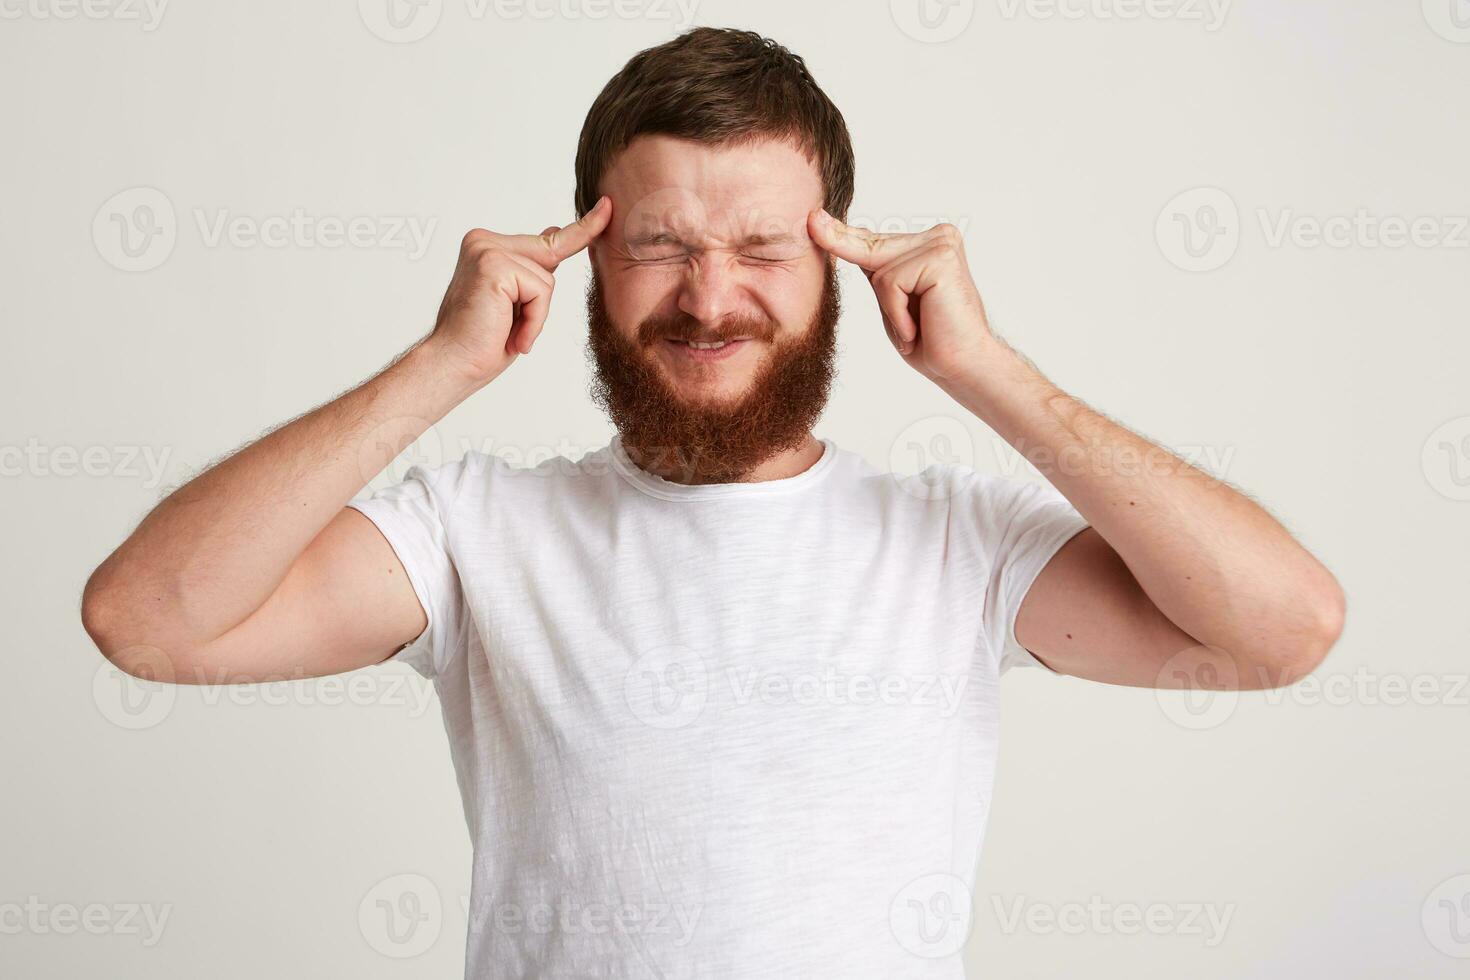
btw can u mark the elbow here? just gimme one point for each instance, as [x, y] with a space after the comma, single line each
[106, 614]
[1315, 630]
[1329, 618]
[99, 613]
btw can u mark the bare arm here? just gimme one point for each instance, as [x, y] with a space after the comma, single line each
[1178, 569]
[1176, 563]
[256, 568]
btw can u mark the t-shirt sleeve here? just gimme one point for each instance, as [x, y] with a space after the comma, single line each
[411, 516]
[1021, 525]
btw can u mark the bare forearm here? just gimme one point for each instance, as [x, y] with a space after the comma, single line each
[213, 551]
[1216, 564]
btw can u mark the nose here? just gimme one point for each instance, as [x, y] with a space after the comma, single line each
[710, 289]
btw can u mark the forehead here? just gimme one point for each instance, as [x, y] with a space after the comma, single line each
[662, 184]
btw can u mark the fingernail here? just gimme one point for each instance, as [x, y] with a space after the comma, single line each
[823, 216]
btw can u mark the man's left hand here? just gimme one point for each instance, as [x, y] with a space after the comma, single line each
[931, 308]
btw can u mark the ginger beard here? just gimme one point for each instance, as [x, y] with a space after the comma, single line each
[713, 442]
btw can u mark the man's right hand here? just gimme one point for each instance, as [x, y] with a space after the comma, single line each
[497, 301]
[256, 568]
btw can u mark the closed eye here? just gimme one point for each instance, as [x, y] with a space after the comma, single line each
[659, 259]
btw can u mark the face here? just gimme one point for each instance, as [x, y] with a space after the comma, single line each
[712, 314]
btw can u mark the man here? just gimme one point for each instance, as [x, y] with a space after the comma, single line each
[722, 698]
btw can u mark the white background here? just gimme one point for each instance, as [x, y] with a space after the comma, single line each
[1329, 823]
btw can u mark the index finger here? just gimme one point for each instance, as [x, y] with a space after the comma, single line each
[562, 243]
[868, 250]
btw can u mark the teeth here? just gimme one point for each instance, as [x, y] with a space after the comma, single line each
[715, 346]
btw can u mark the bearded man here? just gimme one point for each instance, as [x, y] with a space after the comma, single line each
[722, 697]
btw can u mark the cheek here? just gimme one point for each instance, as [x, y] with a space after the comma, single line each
[789, 295]
[631, 296]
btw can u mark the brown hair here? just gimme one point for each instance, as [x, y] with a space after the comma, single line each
[718, 86]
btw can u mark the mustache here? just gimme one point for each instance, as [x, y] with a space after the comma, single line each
[686, 328]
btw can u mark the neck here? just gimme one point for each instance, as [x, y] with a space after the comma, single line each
[781, 466]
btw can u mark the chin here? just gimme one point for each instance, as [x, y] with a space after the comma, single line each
[714, 393]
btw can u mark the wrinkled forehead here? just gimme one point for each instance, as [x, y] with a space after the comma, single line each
[710, 196]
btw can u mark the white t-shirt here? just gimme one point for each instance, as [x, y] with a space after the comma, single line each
[738, 730]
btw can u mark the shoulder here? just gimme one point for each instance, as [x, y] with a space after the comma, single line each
[511, 475]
